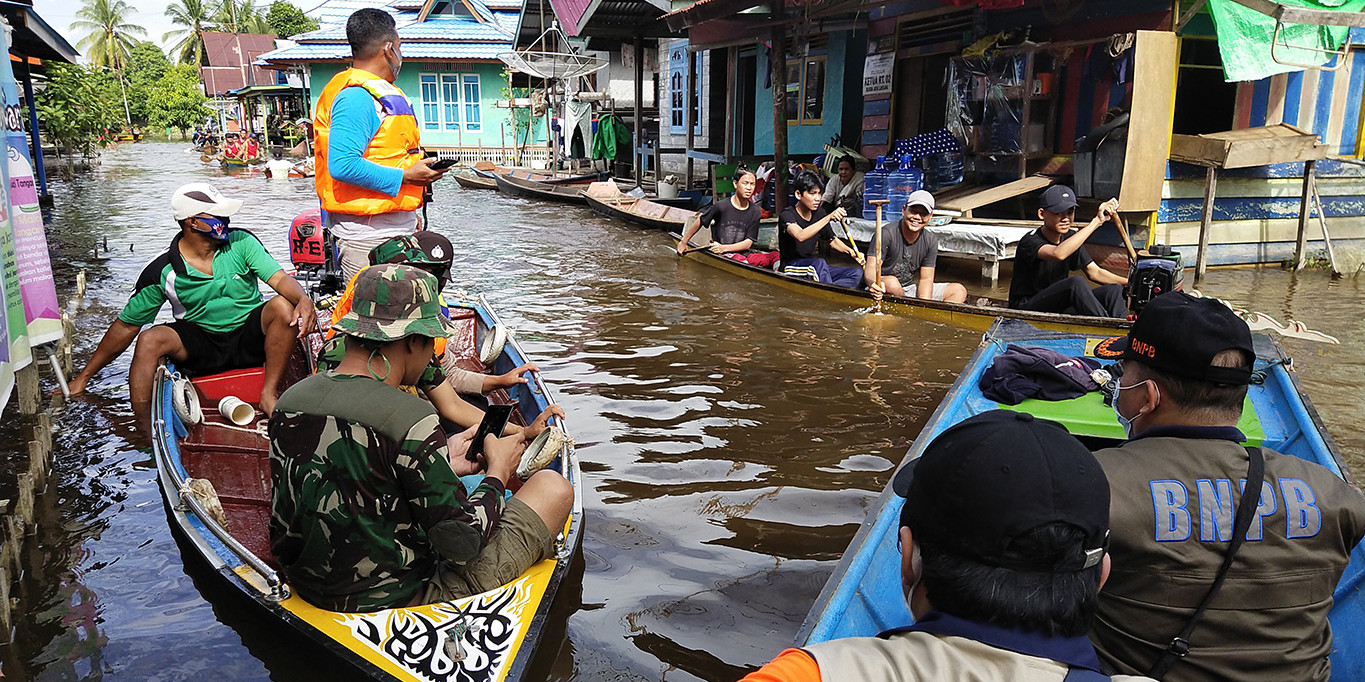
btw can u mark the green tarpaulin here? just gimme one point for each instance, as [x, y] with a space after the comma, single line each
[611, 131]
[1245, 36]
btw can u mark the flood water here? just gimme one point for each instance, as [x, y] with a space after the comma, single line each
[732, 436]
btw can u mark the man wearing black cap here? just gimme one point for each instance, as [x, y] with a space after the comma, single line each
[1003, 533]
[1186, 365]
[1046, 257]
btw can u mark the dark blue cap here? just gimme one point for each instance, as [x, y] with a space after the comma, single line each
[1057, 199]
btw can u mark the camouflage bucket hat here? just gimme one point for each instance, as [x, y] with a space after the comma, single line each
[394, 301]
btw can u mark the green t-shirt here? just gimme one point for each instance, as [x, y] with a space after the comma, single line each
[220, 302]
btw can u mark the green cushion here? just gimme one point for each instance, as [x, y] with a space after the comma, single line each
[1089, 416]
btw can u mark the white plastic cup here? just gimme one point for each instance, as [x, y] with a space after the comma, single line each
[234, 410]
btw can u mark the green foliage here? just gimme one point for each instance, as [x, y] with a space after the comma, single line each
[146, 65]
[287, 20]
[175, 101]
[110, 39]
[240, 16]
[80, 107]
[194, 17]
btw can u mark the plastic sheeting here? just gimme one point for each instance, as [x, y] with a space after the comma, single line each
[1245, 37]
[985, 240]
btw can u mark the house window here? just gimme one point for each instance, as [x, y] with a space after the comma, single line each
[677, 90]
[472, 119]
[806, 90]
[431, 107]
[451, 101]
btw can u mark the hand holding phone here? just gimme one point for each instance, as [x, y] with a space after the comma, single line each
[494, 421]
[442, 164]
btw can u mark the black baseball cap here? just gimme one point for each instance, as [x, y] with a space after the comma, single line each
[1057, 199]
[998, 475]
[1180, 334]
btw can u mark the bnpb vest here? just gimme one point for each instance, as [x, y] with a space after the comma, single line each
[397, 144]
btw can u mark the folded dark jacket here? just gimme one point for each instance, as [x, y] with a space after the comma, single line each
[1021, 373]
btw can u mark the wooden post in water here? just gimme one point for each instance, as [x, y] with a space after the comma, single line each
[1206, 223]
[637, 157]
[26, 385]
[778, 59]
[1301, 242]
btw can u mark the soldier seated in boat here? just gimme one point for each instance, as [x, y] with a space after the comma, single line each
[443, 380]
[909, 257]
[803, 227]
[1001, 586]
[209, 275]
[845, 189]
[1185, 368]
[368, 511]
[733, 223]
[1045, 258]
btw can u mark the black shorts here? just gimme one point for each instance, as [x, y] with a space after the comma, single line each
[209, 352]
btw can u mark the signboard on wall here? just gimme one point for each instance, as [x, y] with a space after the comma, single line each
[877, 74]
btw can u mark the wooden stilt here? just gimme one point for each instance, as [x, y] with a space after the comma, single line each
[779, 79]
[1301, 243]
[26, 384]
[1206, 223]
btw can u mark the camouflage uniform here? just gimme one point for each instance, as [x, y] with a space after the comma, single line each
[365, 507]
[334, 349]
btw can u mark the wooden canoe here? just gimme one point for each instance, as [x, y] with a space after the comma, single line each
[864, 595]
[408, 644]
[535, 189]
[978, 316]
[610, 202]
[476, 180]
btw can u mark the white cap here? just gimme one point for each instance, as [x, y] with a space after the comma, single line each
[920, 197]
[201, 197]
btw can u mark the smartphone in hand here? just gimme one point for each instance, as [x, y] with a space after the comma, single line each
[442, 164]
[494, 421]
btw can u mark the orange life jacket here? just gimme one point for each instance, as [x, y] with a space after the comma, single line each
[397, 143]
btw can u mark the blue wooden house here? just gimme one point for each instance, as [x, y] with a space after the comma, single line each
[451, 71]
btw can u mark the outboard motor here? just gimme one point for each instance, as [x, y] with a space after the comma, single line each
[1158, 270]
[310, 251]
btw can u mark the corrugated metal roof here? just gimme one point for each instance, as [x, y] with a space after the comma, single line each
[415, 51]
[334, 12]
[414, 5]
[452, 28]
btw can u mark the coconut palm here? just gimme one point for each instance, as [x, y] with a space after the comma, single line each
[240, 16]
[110, 38]
[196, 16]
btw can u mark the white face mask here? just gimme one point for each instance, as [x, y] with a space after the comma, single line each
[395, 67]
[1125, 422]
[916, 565]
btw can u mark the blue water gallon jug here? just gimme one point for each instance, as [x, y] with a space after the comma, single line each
[906, 179]
[874, 187]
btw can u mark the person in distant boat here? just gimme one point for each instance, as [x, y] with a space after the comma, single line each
[277, 167]
[909, 256]
[1001, 586]
[733, 223]
[1044, 259]
[443, 380]
[252, 148]
[1185, 366]
[209, 276]
[231, 146]
[803, 227]
[367, 508]
[845, 189]
[369, 169]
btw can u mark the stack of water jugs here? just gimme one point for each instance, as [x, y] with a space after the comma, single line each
[894, 186]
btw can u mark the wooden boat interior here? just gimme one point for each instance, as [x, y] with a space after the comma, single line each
[609, 193]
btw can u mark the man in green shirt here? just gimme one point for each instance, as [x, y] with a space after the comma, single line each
[209, 276]
[367, 510]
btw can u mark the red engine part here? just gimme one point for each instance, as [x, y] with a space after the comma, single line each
[305, 239]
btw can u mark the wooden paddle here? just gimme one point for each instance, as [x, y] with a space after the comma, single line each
[1127, 241]
[695, 248]
[853, 245]
[879, 203]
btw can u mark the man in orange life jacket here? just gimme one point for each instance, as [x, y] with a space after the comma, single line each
[370, 172]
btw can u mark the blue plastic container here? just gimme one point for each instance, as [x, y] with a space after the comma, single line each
[874, 187]
[900, 184]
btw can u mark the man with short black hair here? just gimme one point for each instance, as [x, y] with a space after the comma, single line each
[1045, 258]
[909, 257]
[370, 172]
[1002, 543]
[803, 227]
[1186, 364]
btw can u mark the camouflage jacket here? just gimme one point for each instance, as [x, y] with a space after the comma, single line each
[364, 502]
[334, 351]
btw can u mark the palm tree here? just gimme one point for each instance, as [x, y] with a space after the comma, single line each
[110, 40]
[196, 17]
[241, 16]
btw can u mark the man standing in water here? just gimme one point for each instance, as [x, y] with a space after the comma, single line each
[370, 173]
[733, 223]
[209, 275]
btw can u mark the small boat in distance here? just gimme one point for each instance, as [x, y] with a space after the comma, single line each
[517, 184]
[978, 315]
[864, 597]
[491, 636]
[609, 201]
[473, 178]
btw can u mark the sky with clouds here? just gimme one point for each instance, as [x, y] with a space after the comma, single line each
[150, 14]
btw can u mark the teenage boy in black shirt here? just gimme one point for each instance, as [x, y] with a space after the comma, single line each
[804, 226]
[1045, 258]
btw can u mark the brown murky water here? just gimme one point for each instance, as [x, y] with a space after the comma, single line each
[732, 437]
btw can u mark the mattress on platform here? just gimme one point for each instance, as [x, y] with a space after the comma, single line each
[981, 240]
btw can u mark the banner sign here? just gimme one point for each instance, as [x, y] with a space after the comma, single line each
[14, 347]
[877, 74]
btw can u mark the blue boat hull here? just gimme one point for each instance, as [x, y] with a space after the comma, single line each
[863, 596]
